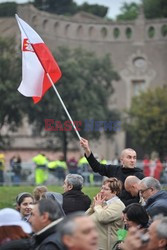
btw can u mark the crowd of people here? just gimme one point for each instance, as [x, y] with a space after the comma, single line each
[44, 170]
[129, 212]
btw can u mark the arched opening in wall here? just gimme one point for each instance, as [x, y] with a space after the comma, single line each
[128, 32]
[67, 27]
[116, 33]
[164, 30]
[34, 20]
[56, 27]
[44, 24]
[151, 32]
[104, 32]
[79, 31]
[91, 32]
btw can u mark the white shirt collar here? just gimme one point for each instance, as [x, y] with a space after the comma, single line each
[48, 226]
[112, 200]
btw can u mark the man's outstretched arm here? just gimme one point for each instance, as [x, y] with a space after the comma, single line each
[103, 169]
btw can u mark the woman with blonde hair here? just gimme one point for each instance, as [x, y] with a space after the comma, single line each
[106, 212]
[39, 191]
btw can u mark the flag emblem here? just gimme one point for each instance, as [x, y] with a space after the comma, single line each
[27, 45]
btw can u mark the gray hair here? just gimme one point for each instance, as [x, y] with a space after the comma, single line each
[52, 207]
[75, 180]
[162, 228]
[68, 225]
[151, 182]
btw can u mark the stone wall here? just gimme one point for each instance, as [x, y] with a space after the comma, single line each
[138, 51]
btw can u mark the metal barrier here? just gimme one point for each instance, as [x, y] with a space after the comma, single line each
[28, 176]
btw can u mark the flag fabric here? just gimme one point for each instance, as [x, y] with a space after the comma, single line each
[37, 61]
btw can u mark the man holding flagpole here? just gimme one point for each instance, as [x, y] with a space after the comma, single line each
[127, 167]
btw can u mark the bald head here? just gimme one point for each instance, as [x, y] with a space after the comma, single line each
[126, 150]
[130, 180]
[128, 158]
[132, 185]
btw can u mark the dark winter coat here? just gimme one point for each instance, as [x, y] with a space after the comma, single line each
[75, 200]
[21, 244]
[157, 204]
[48, 239]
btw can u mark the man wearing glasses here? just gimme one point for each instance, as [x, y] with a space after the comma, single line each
[155, 198]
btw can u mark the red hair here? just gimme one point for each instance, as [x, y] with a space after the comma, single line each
[12, 233]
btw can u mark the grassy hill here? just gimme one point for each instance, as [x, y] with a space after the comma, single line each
[9, 193]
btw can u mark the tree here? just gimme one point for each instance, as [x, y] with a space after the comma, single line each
[10, 111]
[69, 7]
[95, 9]
[147, 121]
[85, 88]
[128, 11]
[155, 8]
[8, 9]
[152, 9]
[63, 7]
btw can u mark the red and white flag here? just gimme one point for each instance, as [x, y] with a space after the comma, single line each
[37, 61]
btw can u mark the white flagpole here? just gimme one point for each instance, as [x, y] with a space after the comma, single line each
[60, 99]
[50, 79]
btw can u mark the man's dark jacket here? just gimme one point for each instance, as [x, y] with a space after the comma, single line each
[75, 200]
[157, 204]
[120, 173]
[48, 240]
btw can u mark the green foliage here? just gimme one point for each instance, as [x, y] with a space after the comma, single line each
[69, 7]
[9, 200]
[147, 121]
[63, 7]
[8, 9]
[10, 111]
[155, 8]
[129, 11]
[85, 88]
[98, 10]
[152, 9]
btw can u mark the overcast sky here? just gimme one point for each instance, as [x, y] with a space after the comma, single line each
[114, 5]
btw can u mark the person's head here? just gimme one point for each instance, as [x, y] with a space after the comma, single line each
[12, 226]
[24, 202]
[154, 156]
[149, 186]
[135, 215]
[110, 188]
[43, 213]
[128, 158]
[39, 191]
[158, 234]
[78, 232]
[54, 196]
[73, 182]
[132, 185]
